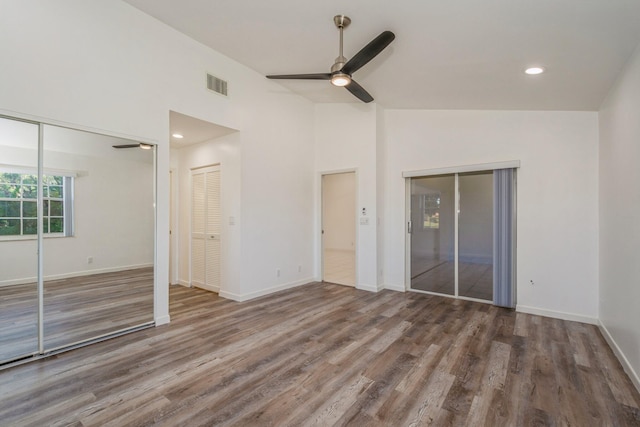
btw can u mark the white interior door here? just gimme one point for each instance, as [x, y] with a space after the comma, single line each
[205, 228]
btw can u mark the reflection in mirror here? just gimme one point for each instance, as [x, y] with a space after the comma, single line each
[99, 217]
[18, 247]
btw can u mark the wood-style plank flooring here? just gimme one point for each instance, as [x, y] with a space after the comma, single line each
[325, 355]
[75, 309]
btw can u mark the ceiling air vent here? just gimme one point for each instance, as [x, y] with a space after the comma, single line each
[217, 85]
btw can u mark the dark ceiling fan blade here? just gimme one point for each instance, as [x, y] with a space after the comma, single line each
[359, 91]
[126, 146]
[317, 76]
[368, 52]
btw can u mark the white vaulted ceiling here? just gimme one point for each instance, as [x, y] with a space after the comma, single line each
[454, 54]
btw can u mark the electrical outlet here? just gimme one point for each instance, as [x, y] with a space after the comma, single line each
[531, 281]
[277, 272]
[299, 269]
[90, 260]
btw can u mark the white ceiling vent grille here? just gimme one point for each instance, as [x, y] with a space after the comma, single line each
[216, 84]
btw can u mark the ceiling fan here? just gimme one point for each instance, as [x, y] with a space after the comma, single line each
[342, 70]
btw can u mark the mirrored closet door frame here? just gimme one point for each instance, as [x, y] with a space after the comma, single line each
[44, 349]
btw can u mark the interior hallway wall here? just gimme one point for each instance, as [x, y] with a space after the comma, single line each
[619, 217]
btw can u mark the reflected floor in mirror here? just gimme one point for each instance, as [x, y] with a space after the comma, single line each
[75, 309]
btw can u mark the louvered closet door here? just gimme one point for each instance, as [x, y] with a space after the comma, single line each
[205, 228]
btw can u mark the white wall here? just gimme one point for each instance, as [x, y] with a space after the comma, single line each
[346, 139]
[339, 211]
[619, 217]
[105, 65]
[557, 231]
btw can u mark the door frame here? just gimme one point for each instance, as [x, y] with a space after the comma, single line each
[173, 226]
[320, 223]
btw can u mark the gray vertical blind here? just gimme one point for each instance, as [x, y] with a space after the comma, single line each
[504, 270]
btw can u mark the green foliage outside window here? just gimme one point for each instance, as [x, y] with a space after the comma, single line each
[18, 204]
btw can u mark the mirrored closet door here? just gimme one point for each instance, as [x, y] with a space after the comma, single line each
[79, 267]
[18, 239]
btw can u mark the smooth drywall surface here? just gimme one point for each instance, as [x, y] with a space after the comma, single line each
[346, 139]
[339, 211]
[225, 152]
[106, 65]
[381, 158]
[557, 221]
[620, 215]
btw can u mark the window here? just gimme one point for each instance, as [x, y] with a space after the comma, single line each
[431, 211]
[18, 204]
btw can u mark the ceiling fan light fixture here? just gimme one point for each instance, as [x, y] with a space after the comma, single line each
[340, 79]
[532, 71]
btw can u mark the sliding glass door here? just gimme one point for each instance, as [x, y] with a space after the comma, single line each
[433, 234]
[459, 227]
[475, 235]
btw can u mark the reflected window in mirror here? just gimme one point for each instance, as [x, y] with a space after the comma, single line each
[18, 205]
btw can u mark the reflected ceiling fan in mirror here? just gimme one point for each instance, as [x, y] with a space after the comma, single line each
[140, 145]
[342, 70]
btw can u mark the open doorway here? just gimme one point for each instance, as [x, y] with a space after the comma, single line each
[339, 228]
[204, 204]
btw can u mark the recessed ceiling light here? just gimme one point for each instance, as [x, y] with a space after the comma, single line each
[177, 135]
[534, 70]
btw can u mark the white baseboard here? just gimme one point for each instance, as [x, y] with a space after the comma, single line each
[370, 288]
[210, 288]
[162, 320]
[261, 293]
[557, 314]
[397, 288]
[635, 379]
[24, 280]
[184, 283]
